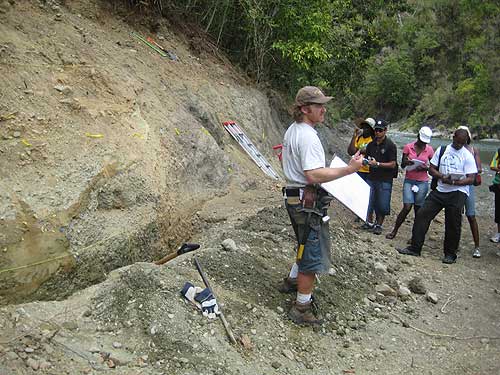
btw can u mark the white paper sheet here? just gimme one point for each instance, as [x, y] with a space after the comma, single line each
[352, 191]
[456, 176]
[416, 163]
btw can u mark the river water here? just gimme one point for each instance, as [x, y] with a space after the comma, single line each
[487, 149]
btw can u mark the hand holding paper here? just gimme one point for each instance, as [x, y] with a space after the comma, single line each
[416, 163]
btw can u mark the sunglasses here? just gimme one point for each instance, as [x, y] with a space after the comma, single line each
[378, 130]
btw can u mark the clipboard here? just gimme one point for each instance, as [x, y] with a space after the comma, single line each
[351, 190]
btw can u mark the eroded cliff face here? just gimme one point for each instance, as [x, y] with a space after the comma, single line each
[111, 156]
[107, 149]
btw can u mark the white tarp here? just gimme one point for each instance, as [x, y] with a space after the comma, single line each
[352, 191]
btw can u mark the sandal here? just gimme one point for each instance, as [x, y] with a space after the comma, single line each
[390, 236]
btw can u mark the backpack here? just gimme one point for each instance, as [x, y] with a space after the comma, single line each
[434, 182]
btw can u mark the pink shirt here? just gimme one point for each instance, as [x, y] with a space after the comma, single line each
[424, 156]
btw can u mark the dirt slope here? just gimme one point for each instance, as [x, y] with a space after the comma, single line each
[105, 143]
[111, 156]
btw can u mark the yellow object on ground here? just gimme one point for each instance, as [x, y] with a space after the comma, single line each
[94, 135]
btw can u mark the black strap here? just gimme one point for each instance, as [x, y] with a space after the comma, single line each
[307, 229]
[434, 181]
[441, 153]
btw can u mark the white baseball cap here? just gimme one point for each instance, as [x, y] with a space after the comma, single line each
[425, 134]
[369, 121]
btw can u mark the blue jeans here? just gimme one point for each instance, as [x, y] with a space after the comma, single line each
[363, 175]
[380, 197]
[470, 202]
[410, 197]
[316, 256]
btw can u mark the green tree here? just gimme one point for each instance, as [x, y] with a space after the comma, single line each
[390, 82]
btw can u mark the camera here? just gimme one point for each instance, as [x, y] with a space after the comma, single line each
[367, 160]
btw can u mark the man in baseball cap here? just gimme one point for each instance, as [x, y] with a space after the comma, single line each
[311, 94]
[382, 155]
[306, 202]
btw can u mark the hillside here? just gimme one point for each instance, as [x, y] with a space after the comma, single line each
[111, 156]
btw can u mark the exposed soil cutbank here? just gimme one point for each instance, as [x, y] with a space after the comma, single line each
[111, 157]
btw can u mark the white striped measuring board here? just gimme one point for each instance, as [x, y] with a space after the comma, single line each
[250, 148]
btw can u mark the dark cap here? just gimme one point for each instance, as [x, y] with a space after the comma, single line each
[380, 124]
[311, 94]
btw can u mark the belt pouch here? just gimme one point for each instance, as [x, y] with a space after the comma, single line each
[309, 197]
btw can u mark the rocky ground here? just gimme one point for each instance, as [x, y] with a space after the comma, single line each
[82, 218]
[384, 313]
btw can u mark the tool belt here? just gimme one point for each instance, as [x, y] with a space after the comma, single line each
[314, 200]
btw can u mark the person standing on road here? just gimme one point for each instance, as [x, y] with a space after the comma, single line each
[456, 172]
[495, 188]
[382, 155]
[470, 202]
[416, 157]
[363, 135]
[306, 202]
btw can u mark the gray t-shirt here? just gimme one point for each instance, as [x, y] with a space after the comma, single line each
[302, 151]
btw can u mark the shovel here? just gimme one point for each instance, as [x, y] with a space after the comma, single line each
[185, 248]
[221, 315]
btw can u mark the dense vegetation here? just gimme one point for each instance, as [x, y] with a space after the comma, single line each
[432, 61]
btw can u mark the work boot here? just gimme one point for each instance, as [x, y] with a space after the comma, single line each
[408, 251]
[288, 285]
[302, 313]
[449, 259]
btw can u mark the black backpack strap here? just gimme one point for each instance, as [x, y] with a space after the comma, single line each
[434, 181]
[441, 153]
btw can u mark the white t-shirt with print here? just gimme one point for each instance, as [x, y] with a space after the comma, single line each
[457, 162]
[302, 151]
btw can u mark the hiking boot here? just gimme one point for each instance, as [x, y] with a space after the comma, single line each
[495, 238]
[314, 305]
[288, 285]
[408, 251]
[377, 229]
[302, 313]
[476, 253]
[449, 259]
[367, 226]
